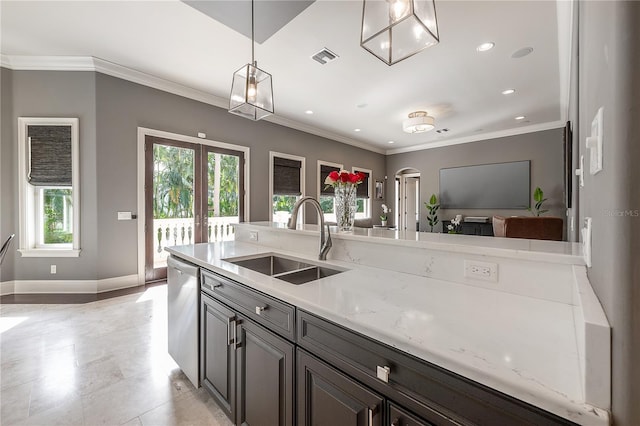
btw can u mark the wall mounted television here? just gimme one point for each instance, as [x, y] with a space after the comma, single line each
[486, 186]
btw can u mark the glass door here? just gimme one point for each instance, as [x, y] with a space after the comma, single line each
[193, 193]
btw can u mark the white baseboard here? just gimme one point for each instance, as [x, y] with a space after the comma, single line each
[117, 283]
[68, 286]
[6, 287]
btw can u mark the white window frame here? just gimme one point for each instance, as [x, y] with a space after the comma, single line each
[27, 194]
[272, 155]
[367, 201]
[321, 185]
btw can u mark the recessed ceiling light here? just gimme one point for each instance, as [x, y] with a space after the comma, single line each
[308, 112]
[363, 105]
[485, 46]
[520, 117]
[356, 130]
[509, 91]
[522, 52]
[390, 142]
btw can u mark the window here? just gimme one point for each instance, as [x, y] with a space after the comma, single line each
[363, 194]
[49, 196]
[326, 196]
[286, 183]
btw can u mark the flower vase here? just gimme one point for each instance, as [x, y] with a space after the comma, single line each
[384, 223]
[345, 206]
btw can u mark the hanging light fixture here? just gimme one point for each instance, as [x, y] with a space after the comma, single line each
[394, 30]
[251, 89]
[418, 122]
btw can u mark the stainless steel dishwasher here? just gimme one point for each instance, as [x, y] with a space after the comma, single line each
[183, 293]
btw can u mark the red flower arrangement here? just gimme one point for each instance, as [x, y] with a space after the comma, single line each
[343, 178]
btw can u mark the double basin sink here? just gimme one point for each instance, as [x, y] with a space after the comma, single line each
[289, 269]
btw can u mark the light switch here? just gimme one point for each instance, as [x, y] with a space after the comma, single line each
[124, 216]
[580, 172]
[594, 143]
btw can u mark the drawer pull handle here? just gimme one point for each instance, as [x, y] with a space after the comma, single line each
[383, 373]
[231, 322]
[370, 412]
[260, 309]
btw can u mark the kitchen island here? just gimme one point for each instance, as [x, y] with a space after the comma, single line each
[531, 329]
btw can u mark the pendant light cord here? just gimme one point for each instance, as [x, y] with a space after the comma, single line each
[253, 41]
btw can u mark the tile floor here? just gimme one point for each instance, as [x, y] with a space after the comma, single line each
[98, 363]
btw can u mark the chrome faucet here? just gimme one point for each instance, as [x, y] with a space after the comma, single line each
[325, 244]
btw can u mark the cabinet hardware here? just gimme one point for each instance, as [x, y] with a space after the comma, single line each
[383, 373]
[370, 412]
[230, 321]
[235, 334]
[395, 422]
[260, 309]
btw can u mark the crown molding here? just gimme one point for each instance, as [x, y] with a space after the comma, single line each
[88, 63]
[480, 137]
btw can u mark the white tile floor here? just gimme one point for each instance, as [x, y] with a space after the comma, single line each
[98, 363]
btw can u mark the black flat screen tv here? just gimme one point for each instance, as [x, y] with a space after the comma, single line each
[486, 186]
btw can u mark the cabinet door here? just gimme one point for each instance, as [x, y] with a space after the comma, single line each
[265, 377]
[398, 416]
[217, 356]
[328, 397]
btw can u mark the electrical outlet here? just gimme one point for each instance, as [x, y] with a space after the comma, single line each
[53, 269]
[485, 271]
[253, 235]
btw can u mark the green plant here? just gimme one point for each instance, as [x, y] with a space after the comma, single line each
[538, 197]
[432, 208]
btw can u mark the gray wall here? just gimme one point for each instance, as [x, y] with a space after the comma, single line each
[609, 77]
[50, 94]
[110, 111]
[544, 149]
[7, 164]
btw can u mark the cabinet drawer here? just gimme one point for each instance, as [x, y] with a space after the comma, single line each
[398, 416]
[267, 311]
[437, 395]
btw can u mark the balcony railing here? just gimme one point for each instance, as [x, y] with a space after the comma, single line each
[175, 232]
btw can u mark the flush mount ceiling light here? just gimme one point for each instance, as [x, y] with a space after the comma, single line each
[251, 88]
[418, 122]
[393, 30]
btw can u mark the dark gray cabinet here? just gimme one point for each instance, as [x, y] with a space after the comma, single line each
[248, 369]
[217, 357]
[328, 397]
[265, 377]
[398, 416]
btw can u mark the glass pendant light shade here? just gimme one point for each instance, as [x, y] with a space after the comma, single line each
[251, 93]
[394, 30]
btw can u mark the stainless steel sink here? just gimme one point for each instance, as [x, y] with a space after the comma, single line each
[270, 265]
[307, 275]
[291, 270]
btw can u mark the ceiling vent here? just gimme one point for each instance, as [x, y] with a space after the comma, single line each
[324, 56]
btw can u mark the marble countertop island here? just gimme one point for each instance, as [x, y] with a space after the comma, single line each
[526, 347]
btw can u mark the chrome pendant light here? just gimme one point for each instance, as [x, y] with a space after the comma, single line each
[393, 30]
[251, 88]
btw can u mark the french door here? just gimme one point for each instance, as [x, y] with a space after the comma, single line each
[193, 192]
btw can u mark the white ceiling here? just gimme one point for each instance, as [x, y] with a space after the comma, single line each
[457, 85]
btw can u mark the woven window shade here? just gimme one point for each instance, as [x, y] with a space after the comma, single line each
[324, 172]
[49, 155]
[362, 190]
[286, 176]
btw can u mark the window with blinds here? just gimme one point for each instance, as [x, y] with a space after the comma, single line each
[49, 208]
[362, 190]
[363, 194]
[287, 184]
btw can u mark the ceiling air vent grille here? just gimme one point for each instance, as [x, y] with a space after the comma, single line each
[324, 56]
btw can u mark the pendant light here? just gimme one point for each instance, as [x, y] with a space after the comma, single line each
[251, 88]
[393, 30]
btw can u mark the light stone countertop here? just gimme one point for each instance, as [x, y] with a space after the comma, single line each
[513, 248]
[522, 346]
